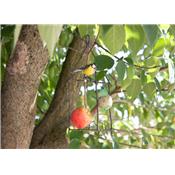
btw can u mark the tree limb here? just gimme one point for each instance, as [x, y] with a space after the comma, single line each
[20, 87]
[51, 131]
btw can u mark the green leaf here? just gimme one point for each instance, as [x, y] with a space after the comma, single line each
[143, 77]
[113, 37]
[74, 144]
[91, 30]
[103, 92]
[115, 144]
[171, 30]
[130, 72]
[121, 69]
[158, 49]
[164, 84]
[91, 100]
[65, 38]
[170, 44]
[134, 88]
[127, 81]
[157, 84]
[171, 70]
[153, 63]
[52, 72]
[103, 62]
[49, 35]
[100, 75]
[135, 37]
[105, 28]
[147, 51]
[16, 34]
[129, 60]
[152, 33]
[149, 89]
[76, 134]
[141, 97]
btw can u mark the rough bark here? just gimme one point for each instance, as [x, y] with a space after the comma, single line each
[51, 131]
[20, 86]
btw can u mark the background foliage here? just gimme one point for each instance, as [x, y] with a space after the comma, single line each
[138, 61]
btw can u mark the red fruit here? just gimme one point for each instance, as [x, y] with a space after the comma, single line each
[81, 117]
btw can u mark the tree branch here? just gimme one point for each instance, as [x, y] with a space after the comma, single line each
[137, 66]
[20, 87]
[51, 131]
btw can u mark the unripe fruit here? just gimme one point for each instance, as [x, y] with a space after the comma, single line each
[81, 118]
[105, 102]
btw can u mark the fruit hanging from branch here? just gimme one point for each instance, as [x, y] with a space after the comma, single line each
[81, 117]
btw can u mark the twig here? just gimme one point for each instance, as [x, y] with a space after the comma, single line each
[144, 67]
[123, 101]
[163, 68]
[85, 94]
[120, 143]
[134, 131]
[137, 66]
[129, 145]
[110, 117]
[96, 91]
[106, 50]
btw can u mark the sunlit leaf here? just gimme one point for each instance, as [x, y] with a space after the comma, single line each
[149, 89]
[152, 33]
[121, 69]
[134, 88]
[171, 30]
[153, 63]
[143, 77]
[129, 76]
[103, 92]
[113, 37]
[49, 35]
[135, 37]
[91, 30]
[17, 32]
[157, 84]
[171, 70]
[158, 49]
[129, 60]
[147, 51]
[65, 38]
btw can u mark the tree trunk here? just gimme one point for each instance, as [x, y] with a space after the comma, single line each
[51, 131]
[20, 87]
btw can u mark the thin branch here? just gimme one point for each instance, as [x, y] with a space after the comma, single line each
[106, 50]
[137, 66]
[163, 68]
[129, 145]
[125, 144]
[134, 131]
[144, 67]
[123, 101]
[96, 91]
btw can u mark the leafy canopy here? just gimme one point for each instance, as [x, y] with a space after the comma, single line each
[138, 61]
